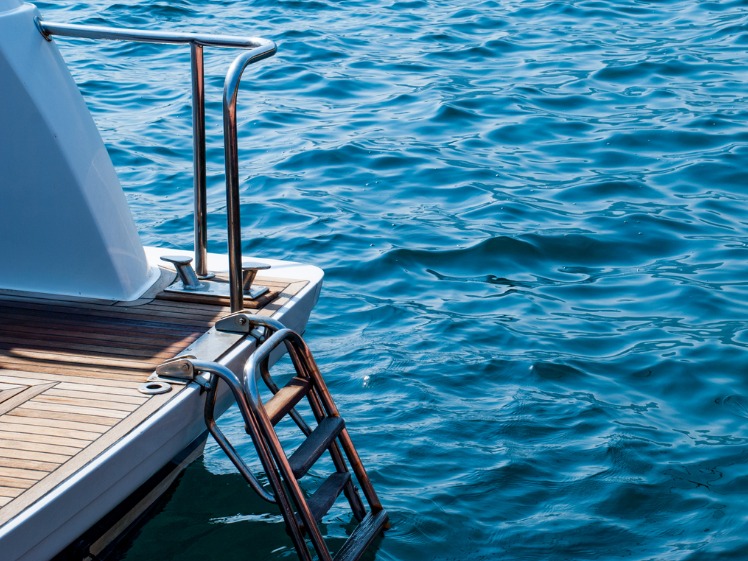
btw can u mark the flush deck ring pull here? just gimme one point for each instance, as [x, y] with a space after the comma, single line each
[154, 388]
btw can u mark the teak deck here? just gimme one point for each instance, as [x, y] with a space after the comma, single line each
[69, 373]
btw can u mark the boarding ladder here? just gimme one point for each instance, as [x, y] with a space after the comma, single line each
[302, 514]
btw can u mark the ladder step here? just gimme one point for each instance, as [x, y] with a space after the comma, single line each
[286, 398]
[371, 526]
[324, 497]
[315, 445]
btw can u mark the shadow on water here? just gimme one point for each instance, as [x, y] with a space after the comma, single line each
[186, 525]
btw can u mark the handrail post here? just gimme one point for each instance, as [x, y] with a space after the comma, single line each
[230, 143]
[198, 147]
[233, 212]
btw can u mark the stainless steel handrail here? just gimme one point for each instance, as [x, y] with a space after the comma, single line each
[230, 142]
[145, 36]
[261, 48]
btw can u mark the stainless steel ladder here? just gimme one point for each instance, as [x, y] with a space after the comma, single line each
[302, 514]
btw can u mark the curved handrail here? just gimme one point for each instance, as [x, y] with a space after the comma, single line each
[219, 371]
[230, 142]
[48, 28]
[260, 48]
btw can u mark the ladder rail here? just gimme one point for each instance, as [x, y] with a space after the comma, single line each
[297, 493]
[220, 372]
[318, 410]
[299, 351]
[252, 371]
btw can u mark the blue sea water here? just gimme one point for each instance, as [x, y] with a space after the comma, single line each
[533, 217]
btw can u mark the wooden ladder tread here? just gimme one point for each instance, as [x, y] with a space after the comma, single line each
[286, 398]
[324, 497]
[365, 533]
[315, 445]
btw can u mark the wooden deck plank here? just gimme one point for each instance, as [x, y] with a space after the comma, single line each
[96, 396]
[45, 447]
[23, 396]
[91, 373]
[54, 366]
[37, 354]
[285, 296]
[9, 492]
[16, 482]
[125, 317]
[20, 473]
[116, 323]
[116, 309]
[162, 332]
[12, 391]
[34, 455]
[33, 378]
[12, 417]
[123, 351]
[81, 370]
[140, 335]
[97, 388]
[206, 310]
[128, 315]
[85, 402]
[92, 334]
[75, 408]
[36, 430]
[85, 456]
[42, 439]
[24, 464]
[63, 416]
[7, 387]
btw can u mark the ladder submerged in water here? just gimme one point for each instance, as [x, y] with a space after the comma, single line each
[301, 514]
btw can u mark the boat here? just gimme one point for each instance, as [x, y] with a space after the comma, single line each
[115, 358]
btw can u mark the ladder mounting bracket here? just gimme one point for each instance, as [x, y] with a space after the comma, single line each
[242, 322]
[178, 370]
